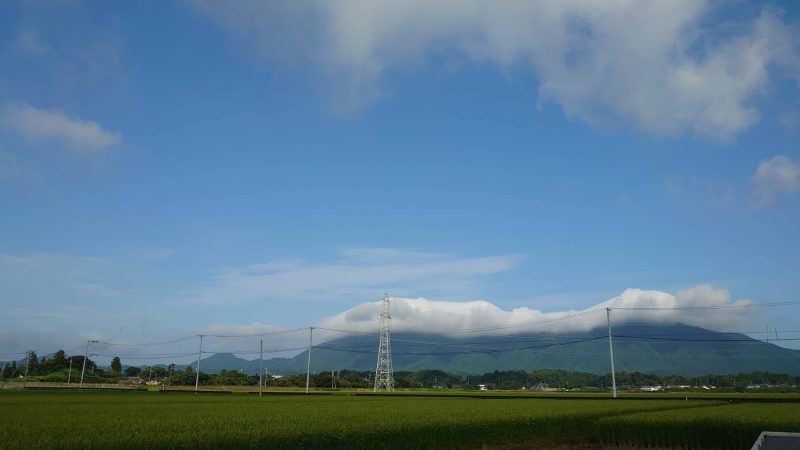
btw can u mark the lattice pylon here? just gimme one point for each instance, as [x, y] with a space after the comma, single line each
[384, 376]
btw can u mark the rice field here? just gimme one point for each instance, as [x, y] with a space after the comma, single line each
[42, 420]
[720, 427]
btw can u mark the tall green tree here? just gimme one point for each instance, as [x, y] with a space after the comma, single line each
[32, 364]
[116, 366]
[60, 360]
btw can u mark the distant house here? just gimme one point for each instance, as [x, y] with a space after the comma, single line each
[482, 387]
[650, 388]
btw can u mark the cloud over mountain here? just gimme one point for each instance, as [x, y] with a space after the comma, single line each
[480, 317]
[423, 315]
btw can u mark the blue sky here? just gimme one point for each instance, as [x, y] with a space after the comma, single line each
[168, 166]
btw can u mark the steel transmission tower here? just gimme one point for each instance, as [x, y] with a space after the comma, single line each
[384, 377]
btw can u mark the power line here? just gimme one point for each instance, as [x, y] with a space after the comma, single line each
[705, 333]
[679, 308]
[474, 351]
[155, 356]
[678, 339]
[251, 352]
[560, 352]
[269, 333]
[186, 338]
[147, 344]
[654, 338]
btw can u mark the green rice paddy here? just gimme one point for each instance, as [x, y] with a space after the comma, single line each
[42, 420]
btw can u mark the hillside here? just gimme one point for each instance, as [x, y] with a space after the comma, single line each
[659, 349]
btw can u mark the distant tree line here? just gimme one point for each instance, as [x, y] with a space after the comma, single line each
[506, 380]
[56, 368]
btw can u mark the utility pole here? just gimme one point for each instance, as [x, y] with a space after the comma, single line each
[197, 378]
[260, 364]
[333, 380]
[611, 355]
[384, 375]
[27, 363]
[3, 370]
[69, 375]
[85, 357]
[308, 368]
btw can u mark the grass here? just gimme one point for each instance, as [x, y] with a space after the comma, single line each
[162, 420]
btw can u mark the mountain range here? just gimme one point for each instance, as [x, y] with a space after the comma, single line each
[662, 349]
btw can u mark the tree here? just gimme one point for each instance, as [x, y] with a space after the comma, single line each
[32, 363]
[170, 372]
[116, 366]
[59, 360]
[187, 378]
[132, 371]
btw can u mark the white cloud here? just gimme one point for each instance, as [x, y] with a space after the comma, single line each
[422, 315]
[29, 41]
[359, 273]
[40, 125]
[432, 316]
[775, 176]
[659, 65]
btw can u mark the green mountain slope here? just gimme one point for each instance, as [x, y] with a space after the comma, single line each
[660, 349]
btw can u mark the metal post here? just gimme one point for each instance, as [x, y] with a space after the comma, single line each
[27, 363]
[611, 355]
[260, 371]
[69, 376]
[308, 368]
[197, 378]
[85, 357]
